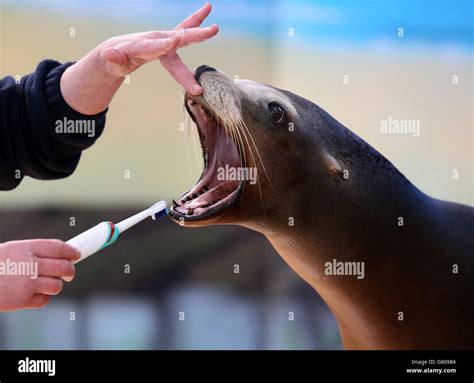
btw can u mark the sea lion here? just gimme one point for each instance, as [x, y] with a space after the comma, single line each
[332, 206]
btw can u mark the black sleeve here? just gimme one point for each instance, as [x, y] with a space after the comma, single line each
[41, 136]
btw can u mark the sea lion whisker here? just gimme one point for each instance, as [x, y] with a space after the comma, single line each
[242, 125]
[242, 151]
[259, 157]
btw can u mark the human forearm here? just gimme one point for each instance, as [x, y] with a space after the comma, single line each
[87, 87]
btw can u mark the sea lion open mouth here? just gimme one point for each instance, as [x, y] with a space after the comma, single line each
[212, 193]
[234, 124]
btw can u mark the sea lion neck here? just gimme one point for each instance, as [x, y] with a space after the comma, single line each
[361, 221]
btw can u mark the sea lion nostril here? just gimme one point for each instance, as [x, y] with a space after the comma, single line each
[201, 69]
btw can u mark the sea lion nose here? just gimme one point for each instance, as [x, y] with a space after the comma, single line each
[201, 69]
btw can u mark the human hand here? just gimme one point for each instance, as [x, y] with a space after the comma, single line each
[124, 54]
[31, 271]
[89, 85]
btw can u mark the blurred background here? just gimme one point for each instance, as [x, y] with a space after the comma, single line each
[362, 61]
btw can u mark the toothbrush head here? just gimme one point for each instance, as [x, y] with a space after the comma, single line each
[156, 210]
[159, 214]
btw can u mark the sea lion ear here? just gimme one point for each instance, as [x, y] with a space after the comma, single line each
[332, 165]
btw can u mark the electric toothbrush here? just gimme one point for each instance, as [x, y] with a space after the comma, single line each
[106, 233]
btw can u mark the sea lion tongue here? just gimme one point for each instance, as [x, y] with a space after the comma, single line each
[214, 196]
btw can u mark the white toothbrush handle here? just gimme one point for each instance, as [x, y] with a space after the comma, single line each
[91, 241]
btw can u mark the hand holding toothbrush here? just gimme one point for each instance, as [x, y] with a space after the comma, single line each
[33, 270]
[89, 85]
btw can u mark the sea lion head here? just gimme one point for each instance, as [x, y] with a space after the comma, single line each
[265, 150]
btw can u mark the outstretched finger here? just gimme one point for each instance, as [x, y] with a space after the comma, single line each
[180, 72]
[196, 19]
[150, 49]
[193, 35]
[193, 21]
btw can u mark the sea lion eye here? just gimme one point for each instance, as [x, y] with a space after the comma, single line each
[277, 113]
